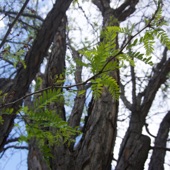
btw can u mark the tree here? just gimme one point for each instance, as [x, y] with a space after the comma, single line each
[111, 57]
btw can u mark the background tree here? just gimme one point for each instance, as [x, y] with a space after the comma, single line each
[53, 64]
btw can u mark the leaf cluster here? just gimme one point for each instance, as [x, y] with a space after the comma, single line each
[102, 82]
[106, 57]
[44, 123]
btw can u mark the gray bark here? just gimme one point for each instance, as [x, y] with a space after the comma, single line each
[135, 152]
[140, 111]
[159, 149]
[55, 70]
[33, 59]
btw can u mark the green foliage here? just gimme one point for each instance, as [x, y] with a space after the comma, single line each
[5, 111]
[105, 81]
[1, 120]
[125, 57]
[162, 36]
[45, 120]
[47, 97]
[44, 124]
[156, 31]
[16, 58]
[148, 41]
[159, 20]
[38, 83]
[106, 57]
[99, 55]
[140, 56]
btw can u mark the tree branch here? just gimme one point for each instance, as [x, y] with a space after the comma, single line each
[33, 59]
[13, 23]
[14, 147]
[123, 97]
[159, 150]
[159, 77]
[23, 14]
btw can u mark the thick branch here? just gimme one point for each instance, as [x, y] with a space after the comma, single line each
[55, 73]
[159, 77]
[158, 154]
[77, 110]
[33, 60]
[125, 10]
[123, 97]
[13, 147]
[102, 5]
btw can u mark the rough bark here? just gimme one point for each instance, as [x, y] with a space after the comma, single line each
[54, 74]
[95, 150]
[135, 152]
[74, 119]
[140, 111]
[99, 136]
[35, 158]
[33, 59]
[96, 147]
[159, 149]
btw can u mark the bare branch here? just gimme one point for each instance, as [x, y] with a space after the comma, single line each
[160, 148]
[147, 130]
[33, 60]
[14, 147]
[123, 97]
[126, 9]
[23, 14]
[13, 23]
[12, 140]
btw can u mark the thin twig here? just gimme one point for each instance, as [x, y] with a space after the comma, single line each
[23, 14]
[13, 23]
[91, 78]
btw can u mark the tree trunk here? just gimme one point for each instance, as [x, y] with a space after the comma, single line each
[138, 115]
[54, 74]
[95, 150]
[159, 150]
[33, 59]
[134, 153]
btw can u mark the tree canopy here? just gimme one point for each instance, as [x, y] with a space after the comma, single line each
[84, 84]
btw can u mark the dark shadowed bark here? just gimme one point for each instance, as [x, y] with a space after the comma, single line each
[33, 59]
[159, 149]
[54, 74]
[134, 153]
[97, 144]
[95, 149]
[79, 101]
[139, 113]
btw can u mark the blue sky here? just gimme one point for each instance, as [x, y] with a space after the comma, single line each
[14, 160]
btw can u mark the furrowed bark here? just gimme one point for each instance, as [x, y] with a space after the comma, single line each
[135, 153]
[79, 101]
[159, 149]
[33, 60]
[139, 113]
[100, 132]
[54, 74]
[96, 149]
